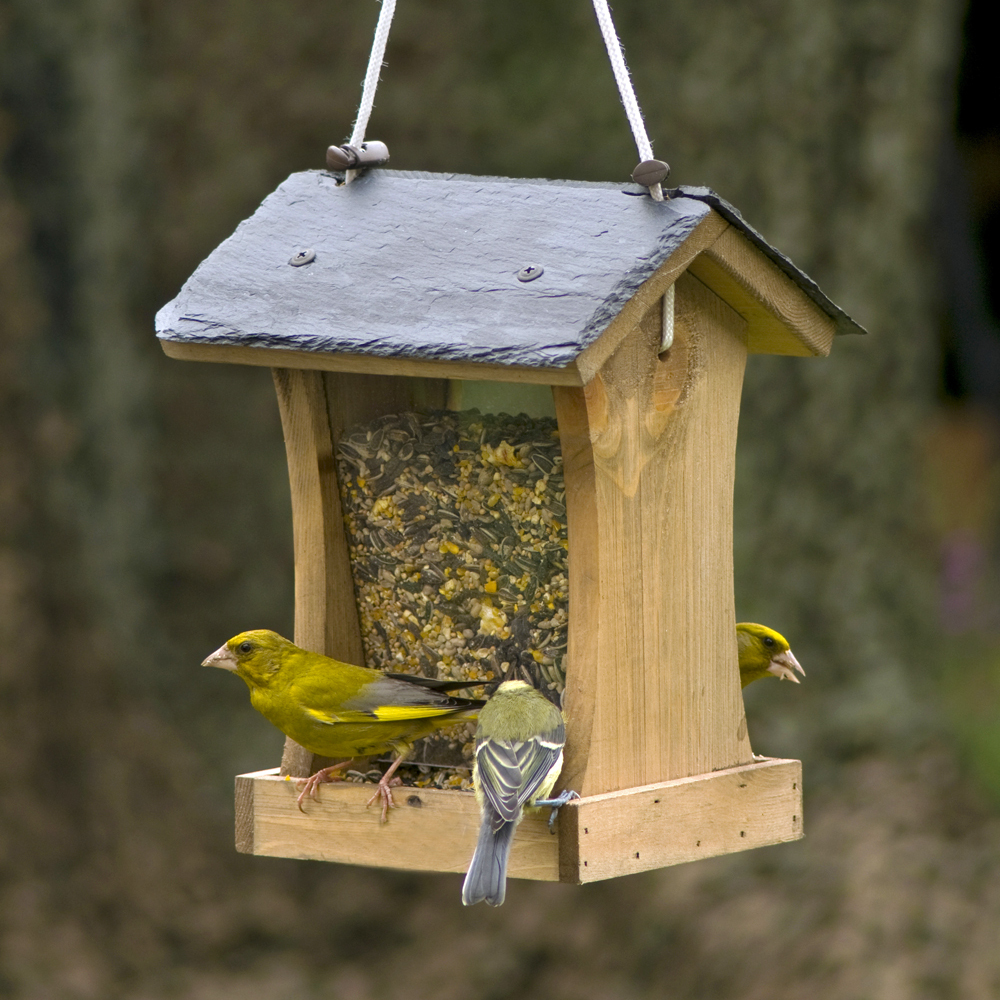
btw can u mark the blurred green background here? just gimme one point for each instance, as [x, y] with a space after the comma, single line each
[144, 513]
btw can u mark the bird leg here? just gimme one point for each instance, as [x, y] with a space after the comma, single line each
[557, 803]
[310, 786]
[384, 792]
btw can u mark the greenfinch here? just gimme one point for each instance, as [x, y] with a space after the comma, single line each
[519, 753]
[337, 709]
[763, 651]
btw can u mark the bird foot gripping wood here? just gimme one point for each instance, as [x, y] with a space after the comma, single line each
[309, 787]
[557, 803]
[384, 790]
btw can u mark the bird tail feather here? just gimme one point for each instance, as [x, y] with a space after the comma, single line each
[487, 876]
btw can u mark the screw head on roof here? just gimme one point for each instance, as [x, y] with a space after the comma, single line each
[302, 257]
[530, 272]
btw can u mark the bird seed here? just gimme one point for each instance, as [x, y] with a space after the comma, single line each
[456, 527]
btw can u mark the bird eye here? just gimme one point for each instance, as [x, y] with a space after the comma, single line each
[245, 647]
[768, 641]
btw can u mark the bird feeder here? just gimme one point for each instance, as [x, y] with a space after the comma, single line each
[639, 314]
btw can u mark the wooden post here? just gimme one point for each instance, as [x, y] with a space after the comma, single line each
[649, 447]
[326, 617]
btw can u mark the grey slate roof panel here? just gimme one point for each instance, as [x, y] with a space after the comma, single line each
[732, 215]
[425, 266]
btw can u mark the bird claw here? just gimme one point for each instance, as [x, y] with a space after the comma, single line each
[309, 787]
[557, 803]
[384, 792]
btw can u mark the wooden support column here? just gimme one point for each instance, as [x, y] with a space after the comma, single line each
[326, 617]
[649, 447]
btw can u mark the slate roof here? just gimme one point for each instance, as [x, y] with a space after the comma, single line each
[425, 266]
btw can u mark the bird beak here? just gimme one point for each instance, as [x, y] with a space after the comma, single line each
[784, 665]
[222, 657]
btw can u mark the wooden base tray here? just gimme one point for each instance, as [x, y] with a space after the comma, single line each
[598, 837]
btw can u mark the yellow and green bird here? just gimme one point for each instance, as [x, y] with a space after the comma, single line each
[763, 651]
[337, 709]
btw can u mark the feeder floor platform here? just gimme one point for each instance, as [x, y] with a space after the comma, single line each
[597, 837]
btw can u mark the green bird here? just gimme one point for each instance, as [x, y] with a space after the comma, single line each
[337, 709]
[762, 651]
[519, 754]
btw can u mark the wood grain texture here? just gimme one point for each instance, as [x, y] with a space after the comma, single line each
[326, 618]
[244, 814]
[652, 678]
[781, 318]
[594, 838]
[432, 830]
[362, 364]
[326, 615]
[688, 819]
[584, 575]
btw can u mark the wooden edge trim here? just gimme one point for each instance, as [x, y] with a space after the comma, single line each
[704, 235]
[582, 529]
[244, 813]
[687, 819]
[749, 268]
[269, 357]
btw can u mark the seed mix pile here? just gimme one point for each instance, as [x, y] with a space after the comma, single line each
[456, 525]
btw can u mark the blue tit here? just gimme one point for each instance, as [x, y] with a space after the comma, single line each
[519, 753]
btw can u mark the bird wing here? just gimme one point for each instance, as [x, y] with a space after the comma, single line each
[510, 772]
[434, 684]
[389, 699]
[357, 694]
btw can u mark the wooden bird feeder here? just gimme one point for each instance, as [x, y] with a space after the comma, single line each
[362, 298]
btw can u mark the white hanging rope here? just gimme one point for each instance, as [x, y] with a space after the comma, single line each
[667, 326]
[371, 77]
[611, 42]
[617, 56]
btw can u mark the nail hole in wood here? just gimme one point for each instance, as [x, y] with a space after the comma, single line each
[415, 801]
[743, 833]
